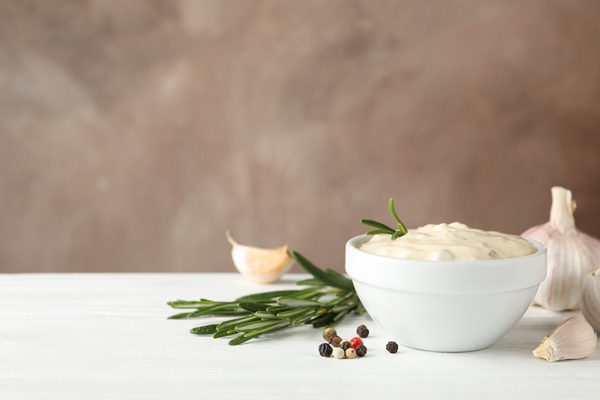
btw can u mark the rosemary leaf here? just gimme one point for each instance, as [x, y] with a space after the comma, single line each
[259, 297]
[383, 229]
[252, 326]
[204, 330]
[297, 303]
[339, 282]
[260, 325]
[239, 340]
[192, 304]
[340, 299]
[344, 307]
[360, 309]
[299, 320]
[180, 316]
[276, 309]
[229, 332]
[307, 293]
[323, 320]
[335, 274]
[378, 225]
[392, 209]
[295, 313]
[253, 307]
[265, 315]
[339, 316]
[311, 282]
[267, 329]
[251, 335]
[232, 323]
[221, 309]
[321, 311]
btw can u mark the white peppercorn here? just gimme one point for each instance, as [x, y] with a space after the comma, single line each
[338, 352]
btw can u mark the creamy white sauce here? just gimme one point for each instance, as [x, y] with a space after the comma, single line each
[450, 242]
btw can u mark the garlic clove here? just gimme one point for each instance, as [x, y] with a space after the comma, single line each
[260, 265]
[572, 339]
[590, 299]
[571, 255]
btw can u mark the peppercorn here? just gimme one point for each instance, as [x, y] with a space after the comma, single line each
[335, 341]
[350, 353]
[345, 345]
[362, 331]
[361, 350]
[338, 352]
[328, 333]
[355, 341]
[325, 350]
[392, 347]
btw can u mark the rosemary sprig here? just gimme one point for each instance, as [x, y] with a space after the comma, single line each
[383, 229]
[327, 299]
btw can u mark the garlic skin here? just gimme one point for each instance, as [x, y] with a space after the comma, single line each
[571, 255]
[572, 339]
[260, 265]
[590, 299]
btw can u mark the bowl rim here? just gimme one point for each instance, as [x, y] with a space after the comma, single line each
[354, 242]
[445, 277]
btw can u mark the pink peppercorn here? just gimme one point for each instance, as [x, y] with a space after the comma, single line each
[355, 342]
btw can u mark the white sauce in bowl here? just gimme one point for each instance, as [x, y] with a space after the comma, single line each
[450, 242]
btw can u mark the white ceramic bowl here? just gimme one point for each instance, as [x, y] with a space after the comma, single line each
[446, 306]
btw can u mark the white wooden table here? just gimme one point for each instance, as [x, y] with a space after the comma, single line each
[83, 336]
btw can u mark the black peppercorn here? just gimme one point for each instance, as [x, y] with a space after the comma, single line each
[345, 346]
[362, 331]
[392, 347]
[361, 350]
[325, 350]
[335, 341]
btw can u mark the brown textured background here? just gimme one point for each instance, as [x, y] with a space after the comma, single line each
[134, 133]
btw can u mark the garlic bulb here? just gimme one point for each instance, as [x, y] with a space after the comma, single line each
[260, 265]
[572, 339]
[590, 299]
[571, 254]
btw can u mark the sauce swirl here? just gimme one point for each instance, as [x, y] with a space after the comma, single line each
[450, 242]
